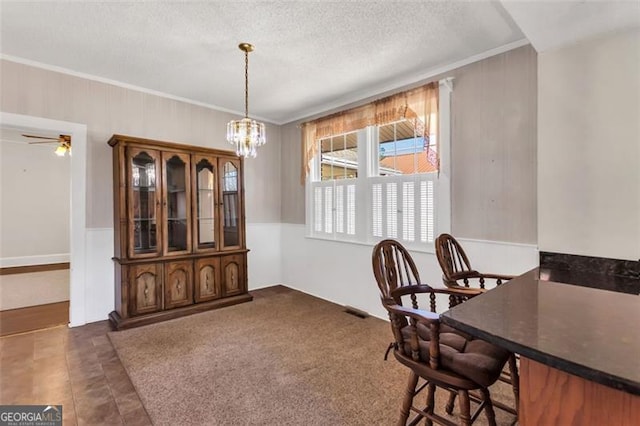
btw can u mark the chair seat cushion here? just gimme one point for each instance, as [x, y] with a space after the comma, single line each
[475, 359]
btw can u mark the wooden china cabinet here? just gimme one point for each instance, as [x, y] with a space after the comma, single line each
[179, 230]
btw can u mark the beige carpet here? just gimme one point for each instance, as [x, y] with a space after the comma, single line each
[285, 358]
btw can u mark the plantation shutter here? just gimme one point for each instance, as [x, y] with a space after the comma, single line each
[334, 211]
[402, 208]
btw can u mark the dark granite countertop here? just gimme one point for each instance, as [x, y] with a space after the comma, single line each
[589, 332]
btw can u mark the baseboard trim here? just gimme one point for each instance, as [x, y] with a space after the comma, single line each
[31, 318]
[119, 323]
[34, 268]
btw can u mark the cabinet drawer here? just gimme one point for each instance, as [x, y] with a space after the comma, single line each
[178, 284]
[207, 279]
[145, 288]
[233, 274]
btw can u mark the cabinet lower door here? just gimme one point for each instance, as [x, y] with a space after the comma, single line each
[145, 288]
[178, 284]
[207, 279]
[233, 278]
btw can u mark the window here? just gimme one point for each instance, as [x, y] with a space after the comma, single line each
[382, 181]
[408, 161]
[339, 157]
[403, 150]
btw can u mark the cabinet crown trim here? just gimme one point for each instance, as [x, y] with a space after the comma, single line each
[117, 139]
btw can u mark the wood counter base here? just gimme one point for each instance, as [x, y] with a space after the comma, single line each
[549, 396]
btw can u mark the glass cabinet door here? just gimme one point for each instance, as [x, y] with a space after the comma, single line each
[205, 213]
[176, 203]
[231, 213]
[143, 203]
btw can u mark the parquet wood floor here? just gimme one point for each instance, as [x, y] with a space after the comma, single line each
[75, 367]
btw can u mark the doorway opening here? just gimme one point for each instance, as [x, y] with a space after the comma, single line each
[35, 204]
[12, 123]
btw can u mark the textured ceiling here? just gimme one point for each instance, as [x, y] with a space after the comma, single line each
[310, 56]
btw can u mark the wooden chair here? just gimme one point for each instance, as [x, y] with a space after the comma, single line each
[442, 356]
[458, 273]
[456, 268]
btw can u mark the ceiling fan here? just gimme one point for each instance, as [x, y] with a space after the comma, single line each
[64, 142]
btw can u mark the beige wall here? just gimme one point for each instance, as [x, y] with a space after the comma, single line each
[32, 289]
[589, 148]
[108, 109]
[493, 151]
[493, 148]
[34, 200]
[293, 196]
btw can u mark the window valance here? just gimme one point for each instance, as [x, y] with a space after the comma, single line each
[419, 104]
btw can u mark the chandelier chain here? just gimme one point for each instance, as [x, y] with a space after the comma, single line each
[246, 84]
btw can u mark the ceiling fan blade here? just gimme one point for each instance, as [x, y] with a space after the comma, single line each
[41, 137]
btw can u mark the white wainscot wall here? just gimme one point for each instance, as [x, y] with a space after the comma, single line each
[99, 287]
[342, 272]
[264, 266]
[44, 259]
[281, 254]
[265, 252]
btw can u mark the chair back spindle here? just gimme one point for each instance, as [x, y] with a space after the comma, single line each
[451, 257]
[456, 267]
[393, 268]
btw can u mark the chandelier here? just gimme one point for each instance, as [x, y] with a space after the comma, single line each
[246, 134]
